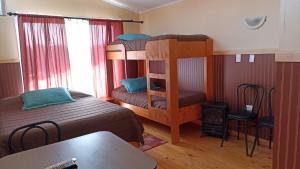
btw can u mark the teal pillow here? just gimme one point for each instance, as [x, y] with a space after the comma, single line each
[133, 36]
[135, 85]
[46, 97]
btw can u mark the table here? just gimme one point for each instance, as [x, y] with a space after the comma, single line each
[101, 150]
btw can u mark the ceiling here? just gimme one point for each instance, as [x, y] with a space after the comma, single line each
[140, 6]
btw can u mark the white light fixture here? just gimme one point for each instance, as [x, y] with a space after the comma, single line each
[2, 8]
[256, 22]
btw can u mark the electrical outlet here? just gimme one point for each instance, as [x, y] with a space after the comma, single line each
[252, 58]
[249, 108]
[238, 58]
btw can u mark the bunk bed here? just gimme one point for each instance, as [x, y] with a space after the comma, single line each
[167, 48]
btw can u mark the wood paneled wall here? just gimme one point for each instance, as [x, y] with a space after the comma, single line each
[191, 74]
[229, 75]
[286, 153]
[10, 79]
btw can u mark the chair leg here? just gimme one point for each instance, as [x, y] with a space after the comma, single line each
[246, 136]
[255, 141]
[270, 138]
[238, 129]
[258, 142]
[225, 132]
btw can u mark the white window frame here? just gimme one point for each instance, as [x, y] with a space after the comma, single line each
[2, 8]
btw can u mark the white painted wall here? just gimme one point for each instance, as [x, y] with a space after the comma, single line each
[84, 8]
[220, 19]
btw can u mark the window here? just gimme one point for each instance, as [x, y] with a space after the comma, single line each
[2, 7]
[78, 37]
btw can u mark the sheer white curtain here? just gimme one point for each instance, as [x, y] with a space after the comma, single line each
[78, 37]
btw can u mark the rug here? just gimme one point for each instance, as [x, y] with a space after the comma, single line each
[151, 142]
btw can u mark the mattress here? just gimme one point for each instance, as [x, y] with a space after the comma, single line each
[140, 99]
[132, 45]
[139, 45]
[86, 115]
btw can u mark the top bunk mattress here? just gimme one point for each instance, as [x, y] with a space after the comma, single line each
[186, 98]
[140, 45]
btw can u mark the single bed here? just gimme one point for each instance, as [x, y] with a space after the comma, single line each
[186, 98]
[86, 115]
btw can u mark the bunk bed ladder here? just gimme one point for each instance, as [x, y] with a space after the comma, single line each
[150, 91]
[171, 97]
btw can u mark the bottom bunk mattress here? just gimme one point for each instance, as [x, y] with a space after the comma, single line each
[186, 98]
[86, 115]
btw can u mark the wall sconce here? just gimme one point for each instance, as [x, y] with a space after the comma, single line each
[256, 22]
[2, 8]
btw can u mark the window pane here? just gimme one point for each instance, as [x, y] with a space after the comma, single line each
[2, 7]
[78, 37]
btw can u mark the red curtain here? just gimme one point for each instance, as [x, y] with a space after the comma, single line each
[44, 53]
[118, 65]
[102, 33]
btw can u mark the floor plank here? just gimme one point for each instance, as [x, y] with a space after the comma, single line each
[196, 152]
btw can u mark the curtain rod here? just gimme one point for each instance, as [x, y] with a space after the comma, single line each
[72, 17]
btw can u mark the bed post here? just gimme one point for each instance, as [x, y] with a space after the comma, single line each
[172, 91]
[110, 75]
[209, 71]
[141, 68]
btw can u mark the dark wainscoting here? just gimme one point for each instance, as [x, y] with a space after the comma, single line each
[190, 73]
[287, 119]
[228, 75]
[10, 79]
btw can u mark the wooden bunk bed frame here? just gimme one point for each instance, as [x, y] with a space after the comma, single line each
[169, 51]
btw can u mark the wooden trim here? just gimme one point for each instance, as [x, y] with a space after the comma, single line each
[157, 76]
[288, 57]
[10, 61]
[141, 68]
[191, 49]
[209, 79]
[115, 52]
[249, 51]
[108, 99]
[185, 114]
[136, 55]
[154, 114]
[190, 113]
[118, 52]
[172, 90]
[157, 93]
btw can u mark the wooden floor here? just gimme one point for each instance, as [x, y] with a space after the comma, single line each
[195, 152]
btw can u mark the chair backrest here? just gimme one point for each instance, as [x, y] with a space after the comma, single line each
[250, 95]
[25, 129]
[270, 101]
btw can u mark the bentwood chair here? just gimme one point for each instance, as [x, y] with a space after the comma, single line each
[249, 100]
[266, 122]
[25, 129]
